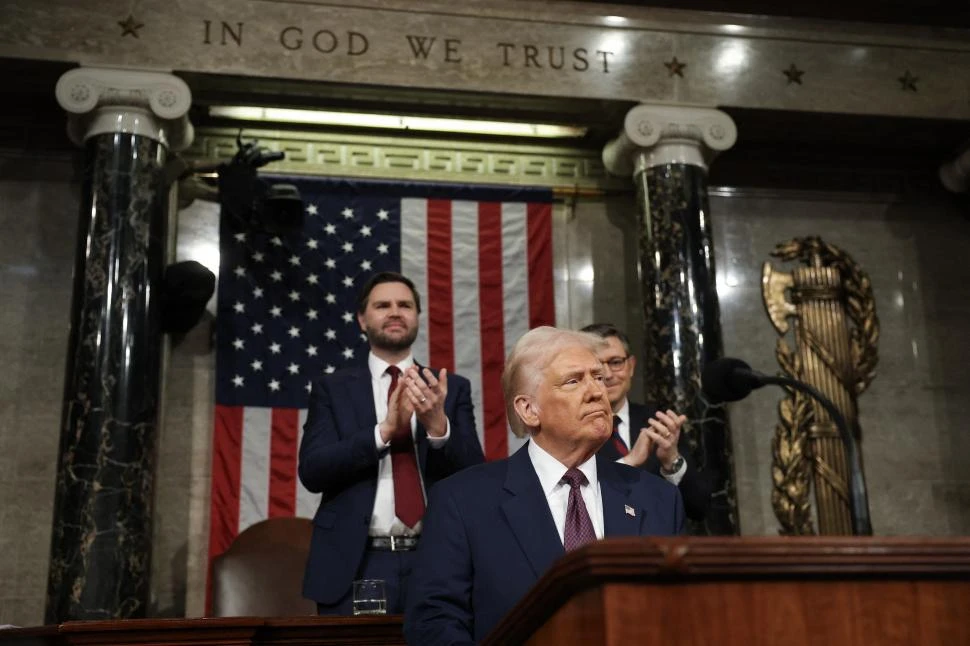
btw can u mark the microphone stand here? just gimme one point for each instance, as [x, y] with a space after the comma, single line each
[858, 498]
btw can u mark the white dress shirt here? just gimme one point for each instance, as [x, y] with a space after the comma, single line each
[383, 521]
[624, 431]
[550, 472]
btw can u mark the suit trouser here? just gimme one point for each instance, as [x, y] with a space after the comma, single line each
[394, 568]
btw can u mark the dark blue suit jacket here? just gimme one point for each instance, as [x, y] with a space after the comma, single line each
[338, 457]
[696, 486]
[489, 536]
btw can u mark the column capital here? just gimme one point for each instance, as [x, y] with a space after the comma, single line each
[151, 104]
[662, 134]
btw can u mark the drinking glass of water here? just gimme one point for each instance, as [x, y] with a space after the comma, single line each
[369, 598]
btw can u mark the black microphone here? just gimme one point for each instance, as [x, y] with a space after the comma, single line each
[728, 379]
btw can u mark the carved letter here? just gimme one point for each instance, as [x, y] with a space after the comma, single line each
[505, 52]
[227, 30]
[604, 55]
[451, 50]
[291, 44]
[353, 37]
[582, 64]
[329, 34]
[552, 58]
[208, 24]
[420, 46]
[531, 54]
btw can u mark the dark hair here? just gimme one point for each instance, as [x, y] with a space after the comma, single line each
[606, 330]
[385, 277]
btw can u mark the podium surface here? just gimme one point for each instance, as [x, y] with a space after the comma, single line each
[685, 591]
[788, 591]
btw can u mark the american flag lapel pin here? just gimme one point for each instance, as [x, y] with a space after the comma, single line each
[629, 511]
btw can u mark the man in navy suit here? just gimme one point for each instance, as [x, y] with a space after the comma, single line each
[491, 531]
[644, 436]
[377, 436]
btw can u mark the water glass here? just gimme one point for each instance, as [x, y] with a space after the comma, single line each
[369, 597]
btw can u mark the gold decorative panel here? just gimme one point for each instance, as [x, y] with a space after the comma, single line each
[828, 306]
[418, 159]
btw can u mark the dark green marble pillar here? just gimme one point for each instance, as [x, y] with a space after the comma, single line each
[666, 150]
[102, 530]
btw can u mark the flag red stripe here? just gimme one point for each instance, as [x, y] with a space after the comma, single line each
[541, 308]
[492, 328]
[226, 472]
[282, 462]
[441, 334]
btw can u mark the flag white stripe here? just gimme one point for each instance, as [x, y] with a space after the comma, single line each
[306, 502]
[254, 471]
[515, 281]
[414, 264]
[465, 297]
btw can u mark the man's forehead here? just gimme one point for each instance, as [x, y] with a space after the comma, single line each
[574, 357]
[614, 347]
[391, 292]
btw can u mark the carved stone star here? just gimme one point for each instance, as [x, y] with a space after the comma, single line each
[908, 82]
[793, 74]
[675, 67]
[130, 26]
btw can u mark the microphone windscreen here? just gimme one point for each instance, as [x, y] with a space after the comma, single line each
[725, 380]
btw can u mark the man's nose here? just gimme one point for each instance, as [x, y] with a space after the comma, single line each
[595, 389]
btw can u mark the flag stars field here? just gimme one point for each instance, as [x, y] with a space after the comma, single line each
[469, 249]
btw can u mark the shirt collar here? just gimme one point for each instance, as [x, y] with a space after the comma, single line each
[550, 470]
[624, 413]
[378, 366]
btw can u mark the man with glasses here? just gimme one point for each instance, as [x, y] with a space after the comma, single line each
[644, 436]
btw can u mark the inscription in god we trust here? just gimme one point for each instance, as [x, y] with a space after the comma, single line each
[351, 43]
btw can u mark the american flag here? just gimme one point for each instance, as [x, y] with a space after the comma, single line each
[481, 258]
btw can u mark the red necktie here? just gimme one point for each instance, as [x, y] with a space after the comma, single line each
[408, 497]
[618, 442]
[579, 528]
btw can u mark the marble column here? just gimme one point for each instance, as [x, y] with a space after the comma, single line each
[666, 151]
[127, 122]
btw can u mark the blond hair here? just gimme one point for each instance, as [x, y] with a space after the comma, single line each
[532, 354]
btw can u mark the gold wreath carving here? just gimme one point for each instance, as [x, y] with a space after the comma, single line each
[791, 462]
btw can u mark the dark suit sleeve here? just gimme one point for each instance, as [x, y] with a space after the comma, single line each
[696, 488]
[679, 522]
[462, 448]
[439, 606]
[330, 456]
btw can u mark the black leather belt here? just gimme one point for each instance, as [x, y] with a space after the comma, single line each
[393, 543]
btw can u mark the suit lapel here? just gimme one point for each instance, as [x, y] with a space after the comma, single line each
[637, 421]
[621, 515]
[528, 515]
[361, 394]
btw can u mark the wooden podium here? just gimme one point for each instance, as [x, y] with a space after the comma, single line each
[750, 592]
[643, 592]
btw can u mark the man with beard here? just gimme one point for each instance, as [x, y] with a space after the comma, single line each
[377, 436]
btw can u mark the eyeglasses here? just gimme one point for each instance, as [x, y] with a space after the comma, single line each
[617, 364]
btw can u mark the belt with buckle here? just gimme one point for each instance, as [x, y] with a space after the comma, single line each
[393, 543]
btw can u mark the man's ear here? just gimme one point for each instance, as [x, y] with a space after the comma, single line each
[633, 364]
[360, 322]
[526, 409]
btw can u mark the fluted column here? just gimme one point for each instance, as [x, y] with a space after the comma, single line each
[666, 151]
[127, 123]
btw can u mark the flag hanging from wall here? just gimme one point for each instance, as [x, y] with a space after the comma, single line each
[481, 258]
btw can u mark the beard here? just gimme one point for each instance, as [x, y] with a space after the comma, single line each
[379, 339]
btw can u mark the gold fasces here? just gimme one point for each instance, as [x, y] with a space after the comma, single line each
[828, 305]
